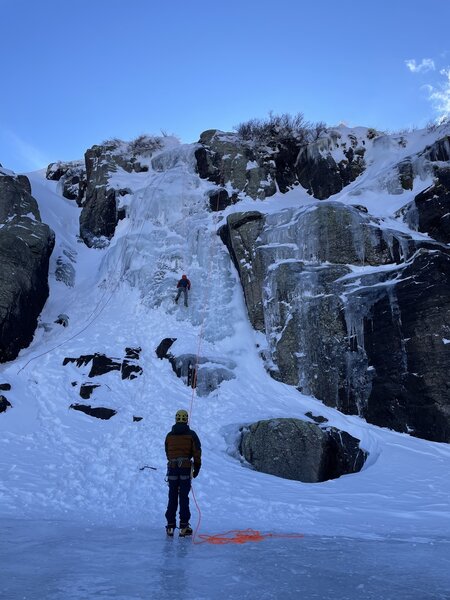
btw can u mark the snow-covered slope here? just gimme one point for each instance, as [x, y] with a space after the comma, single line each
[64, 464]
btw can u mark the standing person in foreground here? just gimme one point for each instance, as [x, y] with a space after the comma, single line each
[183, 286]
[184, 456]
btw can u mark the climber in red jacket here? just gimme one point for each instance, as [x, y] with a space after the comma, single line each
[183, 286]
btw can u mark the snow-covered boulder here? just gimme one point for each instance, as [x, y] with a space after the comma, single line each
[25, 247]
[302, 451]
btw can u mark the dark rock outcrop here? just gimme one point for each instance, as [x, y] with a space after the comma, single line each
[102, 364]
[256, 168]
[100, 214]
[4, 404]
[130, 367]
[220, 199]
[406, 174]
[429, 212]
[316, 418]
[240, 235]
[407, 344]
[133, 353]
[223, 158]
[5, 387]
[71, 177]
[439, 151]
[98, 412]
[295, 449]
[25, 247]
[163, 347]
[88, 182]
[86, 390]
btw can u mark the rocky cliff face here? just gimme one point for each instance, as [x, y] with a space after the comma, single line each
[323, 166]
[91, 184]
[25, 247]
[430, 210]
[371, 342]
[355, 308]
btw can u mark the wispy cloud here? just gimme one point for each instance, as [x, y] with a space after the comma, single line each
[440, 95]
[427, 64]
[29, 154]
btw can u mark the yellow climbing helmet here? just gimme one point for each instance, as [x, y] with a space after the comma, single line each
[181, 416]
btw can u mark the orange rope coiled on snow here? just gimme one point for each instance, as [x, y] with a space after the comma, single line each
[242, 536]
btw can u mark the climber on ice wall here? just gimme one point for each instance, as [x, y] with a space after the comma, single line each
[184, 285]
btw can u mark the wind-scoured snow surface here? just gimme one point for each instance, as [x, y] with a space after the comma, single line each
[64, 472]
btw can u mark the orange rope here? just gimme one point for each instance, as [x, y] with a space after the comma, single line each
[242, 536]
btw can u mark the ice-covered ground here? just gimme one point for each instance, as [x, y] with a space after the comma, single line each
[90, 519]
[56, 561]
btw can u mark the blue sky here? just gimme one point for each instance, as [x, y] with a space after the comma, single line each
[74, 73]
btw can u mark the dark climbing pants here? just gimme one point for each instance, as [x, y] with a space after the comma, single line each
[179, 488]
[185, 292]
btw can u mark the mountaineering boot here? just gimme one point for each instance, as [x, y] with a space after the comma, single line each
[170, 530]
[185, 529]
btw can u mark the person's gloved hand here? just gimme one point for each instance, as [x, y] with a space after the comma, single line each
[195, 472]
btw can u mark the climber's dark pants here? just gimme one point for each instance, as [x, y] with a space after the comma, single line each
[179, 487]
[185, 292]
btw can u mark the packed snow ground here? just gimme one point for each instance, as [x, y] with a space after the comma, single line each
[61, 465]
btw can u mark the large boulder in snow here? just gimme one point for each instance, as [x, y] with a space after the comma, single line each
[25, 247]
[326, 316]
[295, 449]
